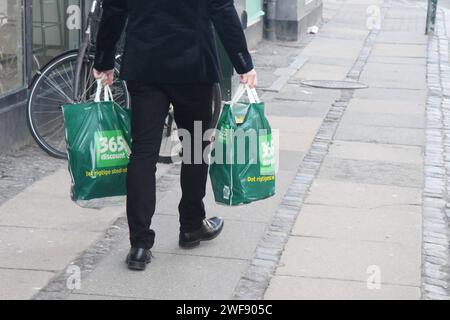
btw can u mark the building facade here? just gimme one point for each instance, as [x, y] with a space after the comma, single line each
[32, 32]
[289, 20]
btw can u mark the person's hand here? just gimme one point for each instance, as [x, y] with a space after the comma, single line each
[107, 77]
[250, 78]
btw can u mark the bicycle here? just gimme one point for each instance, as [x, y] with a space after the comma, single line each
[68, 78]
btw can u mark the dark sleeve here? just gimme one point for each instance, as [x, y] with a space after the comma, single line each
[228, 25]
[111, 27]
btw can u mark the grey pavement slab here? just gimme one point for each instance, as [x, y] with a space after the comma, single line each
[395, 61]
[169, 276]
[402, 37]
[414, 23]
[392, 80]
[350, 260]
[372, 172]
[379, 224]
[400, 76]
[265, 77]
[342, 31]
[16, 284]
[259, 211]
[378, 134]
[294, 134]
[290, 160]
[47, 204]
[384, 119]
[400, 50]
[299, 125]
[387, 93]
[376, 152]
[42, 249]
[329, 47]
[333, 61]
[82, 297]
[238, 239]
[394, 107]
[399, 69]
[297, 92]
[274, 55]
[301, 288]
[298, 109]
[317, 71]
[364, 196]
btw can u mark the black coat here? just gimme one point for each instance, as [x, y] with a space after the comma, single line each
[171, 41]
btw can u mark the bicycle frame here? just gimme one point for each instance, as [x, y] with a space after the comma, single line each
[86, 44]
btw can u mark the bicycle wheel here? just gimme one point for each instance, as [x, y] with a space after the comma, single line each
[52, 88]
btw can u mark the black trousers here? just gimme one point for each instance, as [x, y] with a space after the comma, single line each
[150, 104]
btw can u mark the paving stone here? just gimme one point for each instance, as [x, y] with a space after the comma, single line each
[169, 276]
[376, 152]
[386, 93]
[372, 172]
[298, 109]
[237, 240]
[387, 135]
[395, 61]
[315, 71]
[259, 211]
[298, 132]
[356, 195]
[399, 50]
[402, 37]
[326, 47]
[42, 249]
[79, 296]
[301, 288]
[290, 160]
[382, 224]
[384, 120]
[350, 260]
[40, 206]
[393, 107]
[296, 92]
[19, 284]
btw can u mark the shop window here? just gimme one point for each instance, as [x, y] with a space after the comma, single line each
[56, 28]
[11, 45]
[254, 11]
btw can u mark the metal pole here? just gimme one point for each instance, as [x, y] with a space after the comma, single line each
[269, 19]
[431, 16]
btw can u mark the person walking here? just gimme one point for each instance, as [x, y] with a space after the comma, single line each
[169, 58]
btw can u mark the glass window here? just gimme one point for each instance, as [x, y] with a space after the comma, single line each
[254, 11]
[11, 45]
[56, 28]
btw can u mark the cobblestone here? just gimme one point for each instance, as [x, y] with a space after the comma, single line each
[436, 237]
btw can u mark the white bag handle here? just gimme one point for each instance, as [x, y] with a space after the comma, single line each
[251, 93]
[107, 93]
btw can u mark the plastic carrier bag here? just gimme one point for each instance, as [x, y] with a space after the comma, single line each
[98, 143]
[242, 168]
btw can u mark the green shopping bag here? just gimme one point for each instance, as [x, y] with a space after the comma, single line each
[98, 138]
[242, 168]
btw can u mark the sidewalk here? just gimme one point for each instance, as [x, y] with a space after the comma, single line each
[358, 234]
[346, 222]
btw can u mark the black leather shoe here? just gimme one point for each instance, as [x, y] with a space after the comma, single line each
[138, 258]
[209, 230]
